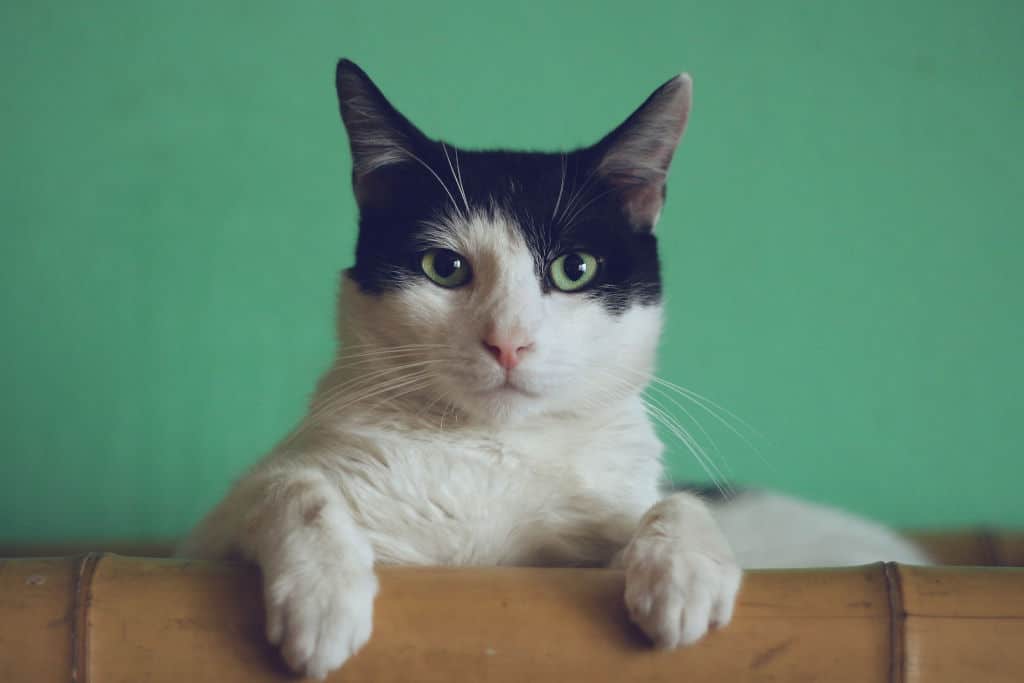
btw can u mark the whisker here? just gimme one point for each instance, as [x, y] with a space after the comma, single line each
[376, 390]
[417, 381]
[377, 347]
[578, 212]
[710, 411]
[561, 187]
[348, 359]
[662, 416]
[693, 419]
[327, 401]
[456, 178]
[425, 411]
[693, 394]
[719, 479]
[711, 408]
[715, 458]
[438, 178]
[577, 196]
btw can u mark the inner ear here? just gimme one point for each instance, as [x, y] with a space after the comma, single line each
[635, 157]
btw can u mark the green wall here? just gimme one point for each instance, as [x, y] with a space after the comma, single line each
[842, 237]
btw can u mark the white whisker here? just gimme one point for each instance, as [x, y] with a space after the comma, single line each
[578, 212]
[328, 401]
[378, 390]
[703, 404]
[456, 178]
[693, 419]
[716, 475]
[578, 194]
[438, 178]
[711, 408]
[561, 187]
[419, 380]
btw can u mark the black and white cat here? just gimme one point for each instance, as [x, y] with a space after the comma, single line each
[484, 408]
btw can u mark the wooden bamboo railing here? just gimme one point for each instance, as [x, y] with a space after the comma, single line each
[103, 617]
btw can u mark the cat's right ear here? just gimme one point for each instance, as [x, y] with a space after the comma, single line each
[635, 157]
[378, 135]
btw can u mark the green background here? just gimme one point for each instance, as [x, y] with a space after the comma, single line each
[842, 240]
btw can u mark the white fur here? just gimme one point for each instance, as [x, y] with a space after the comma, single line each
[768, 530]
[681, 577]
[430, 454]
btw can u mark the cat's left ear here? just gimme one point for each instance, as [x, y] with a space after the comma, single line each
[635, 157]
[379, 136]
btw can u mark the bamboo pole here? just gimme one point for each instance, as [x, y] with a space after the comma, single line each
[105, 618]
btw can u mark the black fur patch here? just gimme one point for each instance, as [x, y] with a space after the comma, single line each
[710, 493]
[560, 202]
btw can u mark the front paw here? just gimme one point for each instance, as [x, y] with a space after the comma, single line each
[676, 595]
[319, 618]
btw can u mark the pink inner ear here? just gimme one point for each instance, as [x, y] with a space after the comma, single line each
[643, 205]
[642, 197]
[638, 153]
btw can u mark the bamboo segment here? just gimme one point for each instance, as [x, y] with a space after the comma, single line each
[111, 618]
[956, 547]
[963, 624]
[36, 619]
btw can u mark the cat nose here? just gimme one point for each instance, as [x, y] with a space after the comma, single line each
[507, 350]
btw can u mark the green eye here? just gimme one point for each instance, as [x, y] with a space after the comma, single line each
[573, 271]
[446, 268]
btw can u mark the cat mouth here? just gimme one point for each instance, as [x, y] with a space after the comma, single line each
[509, 388]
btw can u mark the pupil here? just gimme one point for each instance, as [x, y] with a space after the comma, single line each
[446, 263]
[574, 266]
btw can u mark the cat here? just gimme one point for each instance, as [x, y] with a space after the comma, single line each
[484, 407]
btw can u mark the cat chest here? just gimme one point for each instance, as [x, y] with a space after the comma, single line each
[481, 504]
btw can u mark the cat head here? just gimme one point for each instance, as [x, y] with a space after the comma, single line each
[505, 284]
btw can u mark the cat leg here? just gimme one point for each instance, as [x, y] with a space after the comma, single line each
[681, 576]
[317, 565]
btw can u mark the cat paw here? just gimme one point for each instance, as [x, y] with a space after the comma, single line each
[319, 619]
[676, 595]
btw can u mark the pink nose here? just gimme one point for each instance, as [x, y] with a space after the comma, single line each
[508, 351]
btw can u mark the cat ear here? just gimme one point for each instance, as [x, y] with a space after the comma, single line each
[635, 157]
[379, 136]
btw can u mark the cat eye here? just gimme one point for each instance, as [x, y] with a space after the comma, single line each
[573, 271]
[445, 268]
